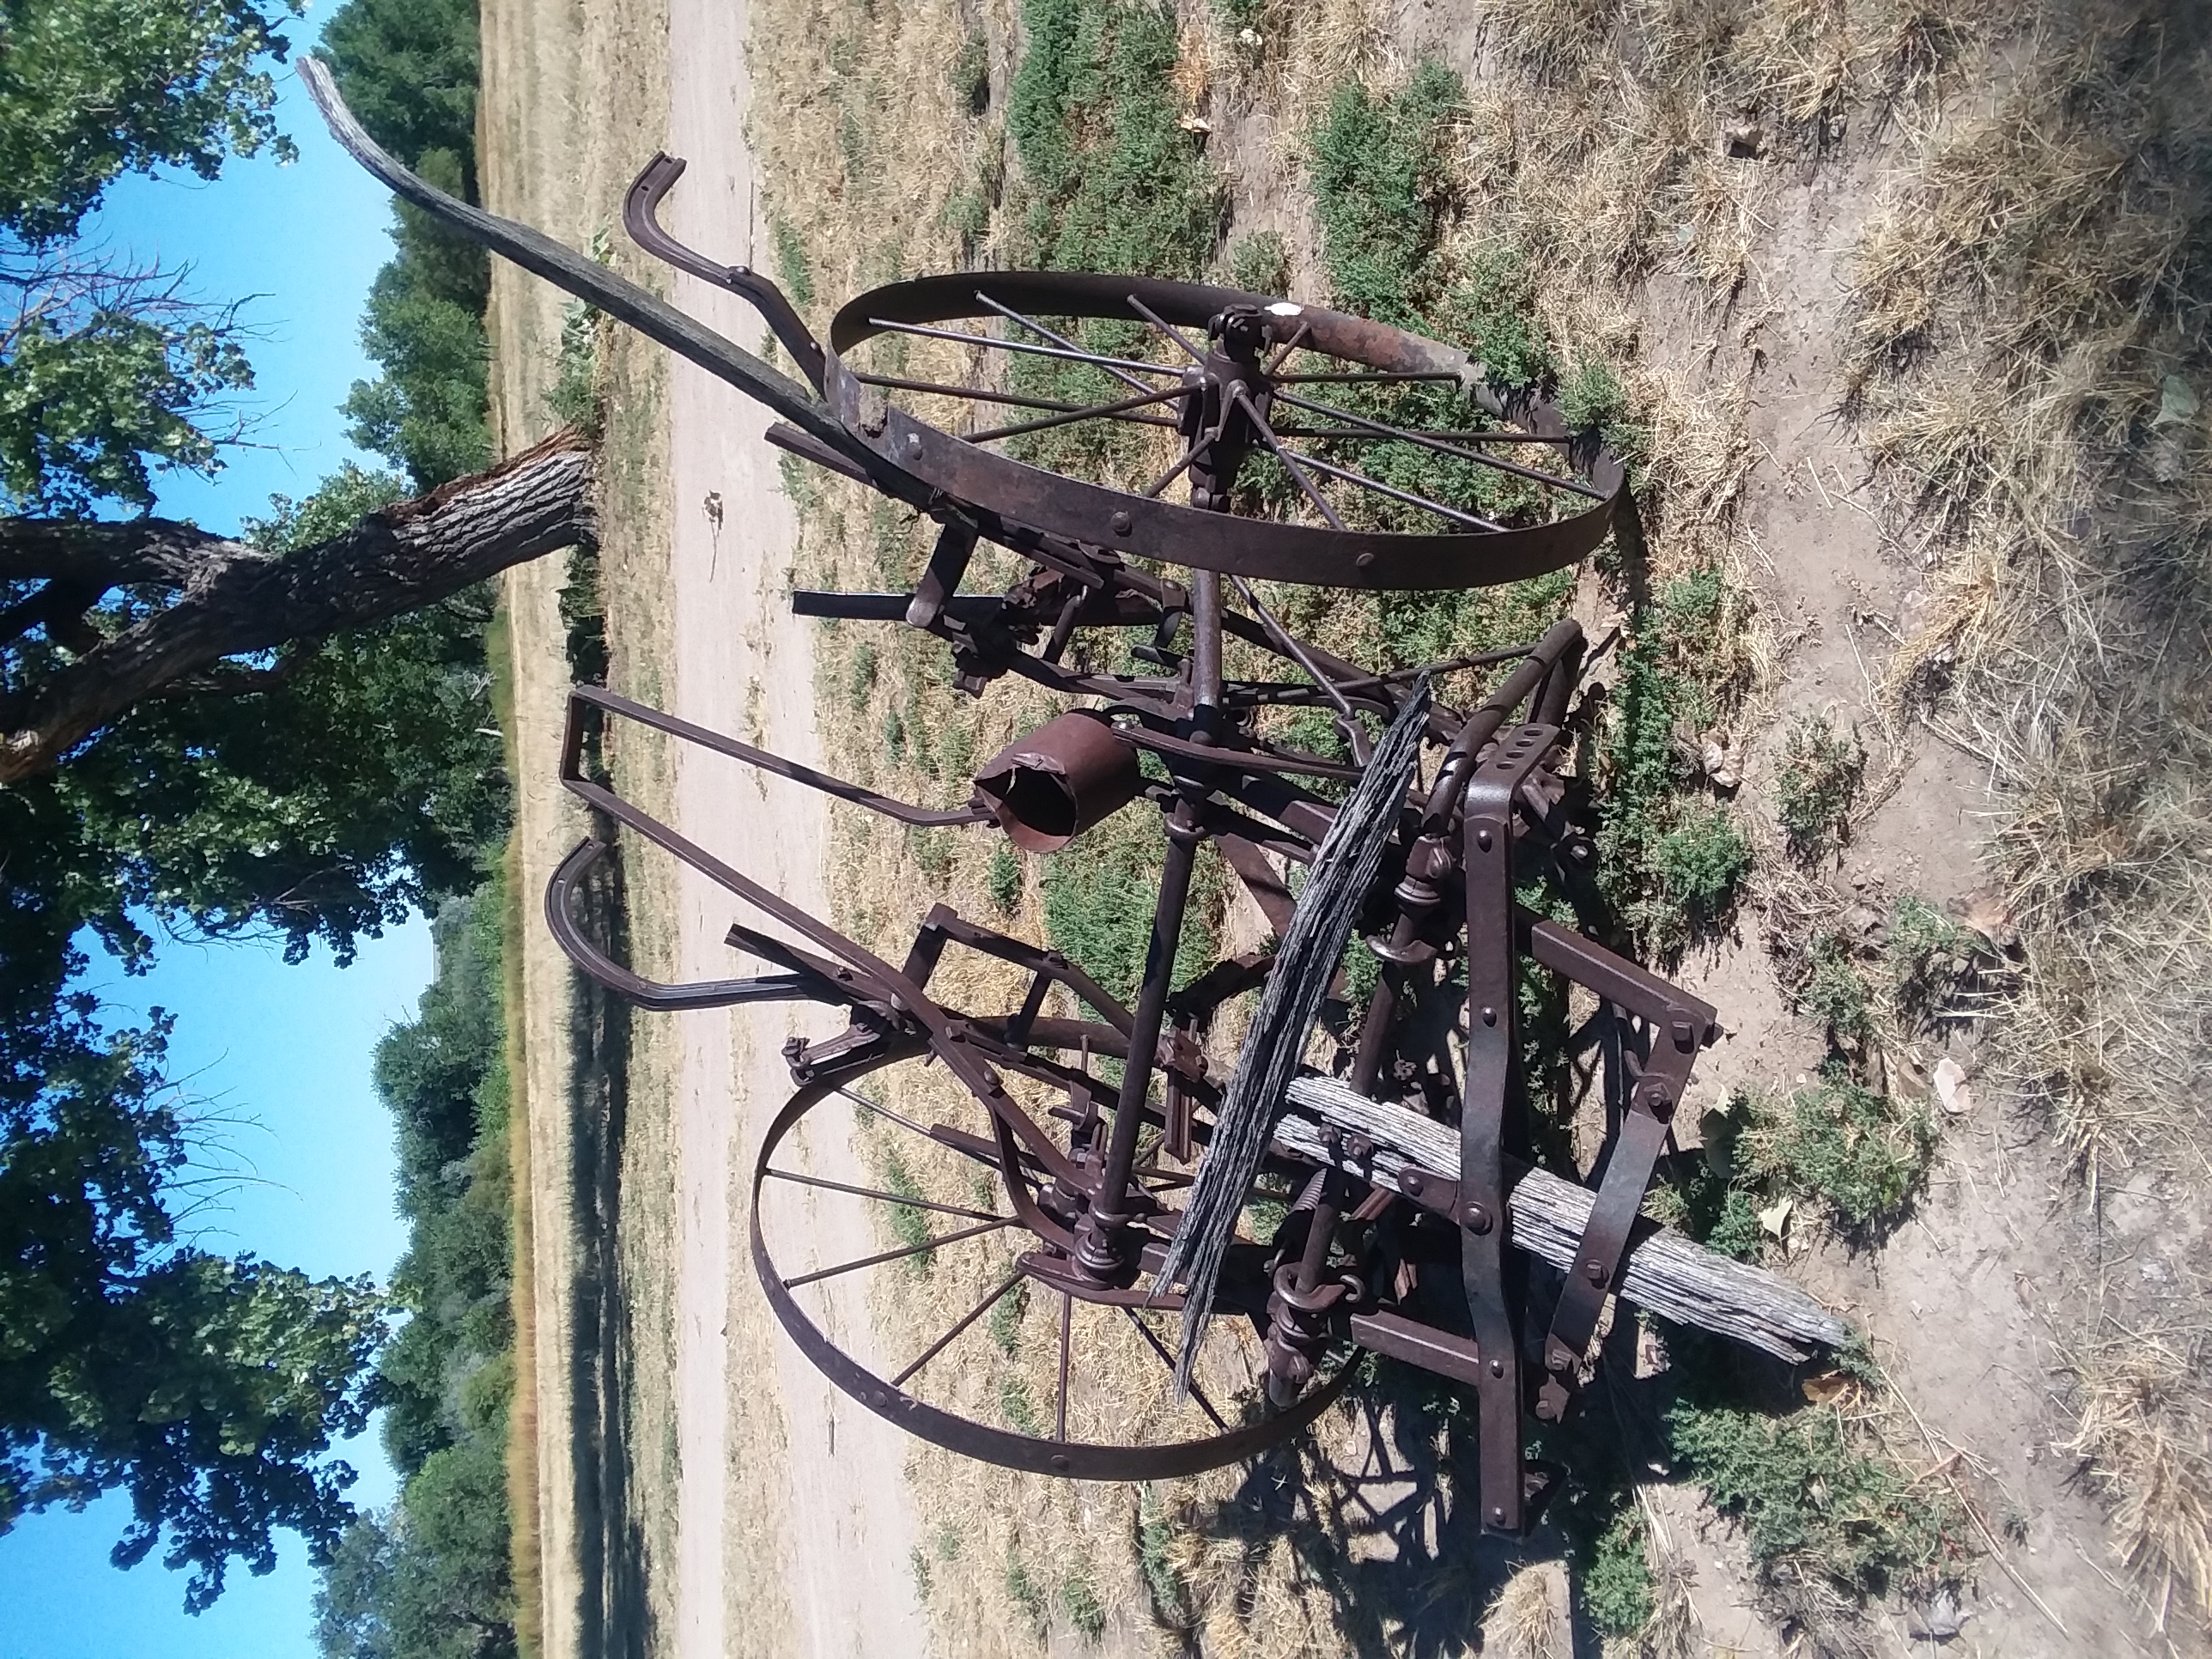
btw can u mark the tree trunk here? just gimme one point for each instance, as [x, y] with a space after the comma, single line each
[235, 600]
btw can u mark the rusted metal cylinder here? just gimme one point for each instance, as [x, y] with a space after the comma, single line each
[1047, 788]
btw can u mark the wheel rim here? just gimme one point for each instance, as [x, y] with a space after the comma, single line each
[1342, 513]
[949, 1389]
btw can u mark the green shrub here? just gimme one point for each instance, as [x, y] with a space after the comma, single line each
[918, 1563]
[1862, 1153]
[861, 679]
[1005, 1321]
[894, 734]
[1493, 308]
[1016, 1406]
[1805, 1497]
[1615, 1582]
[909, 1224]
[1700, 859]
[1170, 1596]
[1822, 770]
[1835, 992]
[1379, 182]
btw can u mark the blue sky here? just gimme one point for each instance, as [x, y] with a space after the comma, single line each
[283, 1051]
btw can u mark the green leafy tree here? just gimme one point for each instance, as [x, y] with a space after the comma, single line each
[90, 90]
[210, 1389]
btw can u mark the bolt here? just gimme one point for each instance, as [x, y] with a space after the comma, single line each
[1410, 1183]
[913, 443]
[1121, 523]
[1496, 1515]
[1547, 1410]
[1202, 498]
[1594, 1270]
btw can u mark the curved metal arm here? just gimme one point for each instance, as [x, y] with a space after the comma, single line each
[639, 210]
[587, 279]
[603, 970]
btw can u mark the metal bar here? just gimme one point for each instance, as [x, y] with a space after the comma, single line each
[1036, 327]
[899, 1118]
[1090, 357]
[1168, 1360]
[1349, 434]
[1168, 329]
[1404, 436]
[1398, 494]
[970, 1318]
[1066, 1326]
[897, 1256]
[1377, 377]
[1267, 437]
[1095, 412]
[941, 389]
[884, 1197]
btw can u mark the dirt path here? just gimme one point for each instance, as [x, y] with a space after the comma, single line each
[793, 1527]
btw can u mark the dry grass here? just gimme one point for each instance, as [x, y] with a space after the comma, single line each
[2145, 1420]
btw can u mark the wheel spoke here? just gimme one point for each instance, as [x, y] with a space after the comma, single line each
[966, 1320]
[1354, 434]
[1287, 643]
[897, 1256]
[1406, 436]
[1168, 329]
[1366, 377]
[1036, 327]
[1197, 449]
[1069, 352]
[1304, 328]
[1398, 494]
[1168, 1360]
[1066, 1324]
[938, 388]
[882, 1110]
[1291, 461]
[885, 1198]
[1095, 412]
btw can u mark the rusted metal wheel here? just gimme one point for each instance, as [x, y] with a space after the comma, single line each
[1310, 447]
[1017, 1359]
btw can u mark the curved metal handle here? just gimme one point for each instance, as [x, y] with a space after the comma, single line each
[640, 208]
[603, 970]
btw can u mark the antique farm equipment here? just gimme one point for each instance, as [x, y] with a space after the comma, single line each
[1051, 415]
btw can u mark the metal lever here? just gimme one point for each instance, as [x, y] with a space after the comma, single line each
[639, 208]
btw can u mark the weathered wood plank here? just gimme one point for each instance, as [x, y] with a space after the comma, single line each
[1664, 1273]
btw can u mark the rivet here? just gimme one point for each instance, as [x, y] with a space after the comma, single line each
[1121, 523]
[1365, 559]
[1497, 1368]
[1060, 1460]
[913, 443]
[1490, 1016]
[1498, 1515]
[1594, 1270]
[1482, 839]
[1477, 1219]
[1202, 498]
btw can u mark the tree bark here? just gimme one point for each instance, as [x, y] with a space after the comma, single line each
[235, 600]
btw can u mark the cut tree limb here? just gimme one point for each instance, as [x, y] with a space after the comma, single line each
[235, 600]
[1663, 1273]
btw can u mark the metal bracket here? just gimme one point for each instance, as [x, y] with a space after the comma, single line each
[1488, 862]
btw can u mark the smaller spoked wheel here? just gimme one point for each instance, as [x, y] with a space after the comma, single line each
[887, 1248]
[1113, 409]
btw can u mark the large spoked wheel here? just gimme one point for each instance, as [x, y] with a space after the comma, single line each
[1307, 445]
[863, 1209]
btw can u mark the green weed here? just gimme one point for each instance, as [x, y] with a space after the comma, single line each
[1017, 1407]
[1930, 957]
[1261, 263]
[893, 735]
[791, 265]
[1860, 1152]
[1821, 770]
[909, 1225]
[861, 679]
[1079, 1600]
[1025, 1593]
[918, 1563]
[1098, 901]
[1170, 1596]
[1380, 186]
[1003, 880]
[1006, 1320]
[1836, 993]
